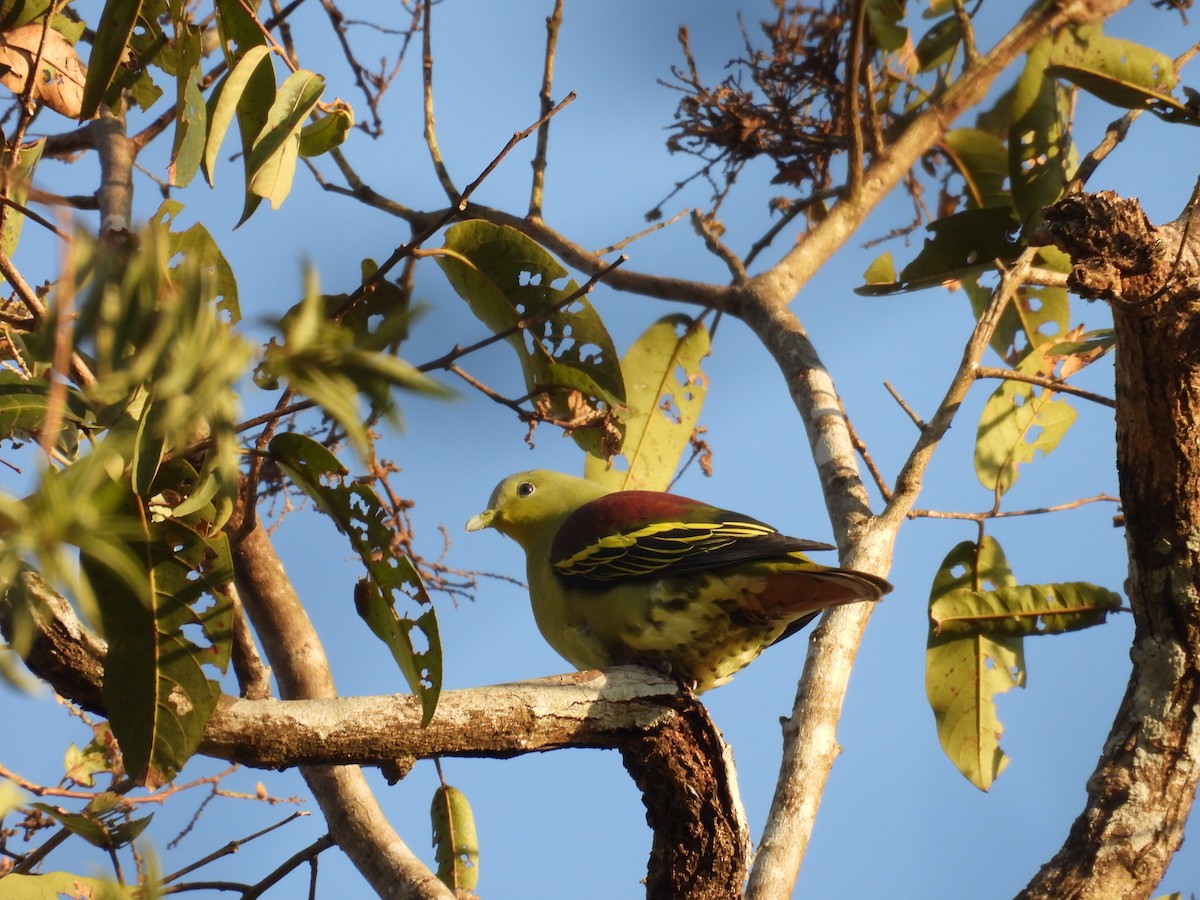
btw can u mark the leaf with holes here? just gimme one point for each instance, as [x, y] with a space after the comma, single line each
[963, 244]
[1041, 153]
[1022, 610]
[59, 82]
[982, 161]
[664, 393]
[455, 840]
[391, 577]
[964, 674]
[567, 357]
[1018, 420]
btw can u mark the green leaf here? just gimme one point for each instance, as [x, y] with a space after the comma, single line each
[1018, 420]
[664, 393]
[982, 160]
[566, 354]
[191, 115]
[19, 178]
[25, 405]
[103, 822]
[964, 243]
[251, 76]
[455, 840]
[272, 161]
[155, 690]
[1041, 153]
[939, 44]
[883, 22]
[881, 271]
[112, 30]
[1035, 315]
[963, 675]
[328, 131]
[55, 885]
[1022, 610]
[237, 29]
[334, 363]
[391, 577]
[196, 244]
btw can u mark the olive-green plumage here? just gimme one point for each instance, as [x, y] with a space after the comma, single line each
[660, 580]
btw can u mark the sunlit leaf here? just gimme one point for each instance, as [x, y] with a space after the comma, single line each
[18, 190]
[963, 675]
[191, 115]
[982, 160]
[455, 840]
[964, 243]
[272, 160]
[391, 577]
[664, 393]
[53, 885]
[112, 29]
[1022, 610]
[1041, 154]
[252, 75]
[328, 131]
[939, 44]
[1018, 421]
[566, 353]
[883, 21]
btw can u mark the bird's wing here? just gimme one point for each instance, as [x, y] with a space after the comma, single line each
[638, 534]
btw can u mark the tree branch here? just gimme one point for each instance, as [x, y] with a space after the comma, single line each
[1146, 778]
[294, 651]
[669, 744]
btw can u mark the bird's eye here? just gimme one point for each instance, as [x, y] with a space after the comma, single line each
[525, 488]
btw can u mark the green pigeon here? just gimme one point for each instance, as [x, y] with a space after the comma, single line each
[649, 578]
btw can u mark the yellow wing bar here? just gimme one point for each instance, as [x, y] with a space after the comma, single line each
[656, 547]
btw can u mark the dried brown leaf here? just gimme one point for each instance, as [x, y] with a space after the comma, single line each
[59, 84]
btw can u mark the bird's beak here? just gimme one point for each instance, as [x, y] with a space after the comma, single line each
[481, 521]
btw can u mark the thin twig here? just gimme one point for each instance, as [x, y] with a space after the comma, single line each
[441, 220]
[1045, 381]
[447, 360]
[911, 477]
[996, 514]
[860, 446]
[854, 74]
[705, 228]
[435, 153]
[622, 244]
[912, 414]
[231, 848]
[537, 190]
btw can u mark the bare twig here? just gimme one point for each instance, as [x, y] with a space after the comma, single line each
[997, 514]
[1053, 384]
[912, 413]
[435, 153]
[553, 23]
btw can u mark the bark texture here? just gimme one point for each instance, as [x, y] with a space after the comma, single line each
[1142, 789]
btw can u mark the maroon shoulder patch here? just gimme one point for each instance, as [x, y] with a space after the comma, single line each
[622, 512]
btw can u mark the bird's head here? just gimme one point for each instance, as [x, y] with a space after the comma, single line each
[532, 505]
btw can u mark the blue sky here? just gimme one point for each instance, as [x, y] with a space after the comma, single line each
[897, 820]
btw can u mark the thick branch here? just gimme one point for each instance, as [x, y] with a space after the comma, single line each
[294, 651]
[1145, 781]
[670, 745]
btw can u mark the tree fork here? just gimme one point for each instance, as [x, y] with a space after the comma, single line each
[1145, 782]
